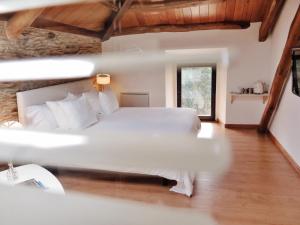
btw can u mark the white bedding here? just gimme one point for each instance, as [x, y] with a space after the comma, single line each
[155, 121]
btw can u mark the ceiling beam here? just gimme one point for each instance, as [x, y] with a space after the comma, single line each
[270, 19]
[20, 21]
[298, 44]
[56, 26]
[183, 28]
[115, 18]
[147, 5]
[282, 74]
[110, 5]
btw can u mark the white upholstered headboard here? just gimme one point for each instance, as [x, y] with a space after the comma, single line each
[51, 93]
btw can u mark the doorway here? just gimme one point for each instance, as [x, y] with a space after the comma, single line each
[196, 88]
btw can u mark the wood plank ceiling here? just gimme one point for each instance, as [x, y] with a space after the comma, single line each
[142, 15]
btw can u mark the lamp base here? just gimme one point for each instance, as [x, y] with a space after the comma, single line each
[100, 88]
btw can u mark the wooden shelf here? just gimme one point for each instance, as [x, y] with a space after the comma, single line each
[263, 97]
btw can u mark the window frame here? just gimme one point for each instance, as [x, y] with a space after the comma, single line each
[212, 117]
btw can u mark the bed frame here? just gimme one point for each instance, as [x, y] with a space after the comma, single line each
[51, 93]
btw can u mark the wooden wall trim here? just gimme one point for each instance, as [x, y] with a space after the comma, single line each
[284, 152]
[241, 126]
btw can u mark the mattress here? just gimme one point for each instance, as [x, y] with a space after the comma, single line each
[155, 121]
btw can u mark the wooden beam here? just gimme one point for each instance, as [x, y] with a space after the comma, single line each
[19, 21]
[115, 18]
[5, 17]
[146, 5]
[55, 26]
[282, 74]
[110, 5]
[270, 19]
[183, 28]
[298, 44]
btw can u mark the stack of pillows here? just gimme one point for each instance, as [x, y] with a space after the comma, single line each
[73, 112]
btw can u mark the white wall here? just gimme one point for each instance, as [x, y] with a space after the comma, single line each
[222, 74]
[171, 85]
[286, 123]
[248, 62]
[150, 79]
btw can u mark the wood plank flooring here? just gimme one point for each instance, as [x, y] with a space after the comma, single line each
[261, 188]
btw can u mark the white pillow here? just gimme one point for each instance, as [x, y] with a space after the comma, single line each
[40, 117]
[108, 101]
[78, 112]
[59, 114]
[93, 99]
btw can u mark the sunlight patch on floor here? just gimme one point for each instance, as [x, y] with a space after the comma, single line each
[206, 131]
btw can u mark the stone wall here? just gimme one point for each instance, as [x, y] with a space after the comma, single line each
[37, 43]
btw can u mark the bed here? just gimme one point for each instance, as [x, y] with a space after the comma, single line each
[154, 121]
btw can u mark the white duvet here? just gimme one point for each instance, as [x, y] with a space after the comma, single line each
[155, 121]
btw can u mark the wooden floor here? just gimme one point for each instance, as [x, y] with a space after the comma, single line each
[261, 187]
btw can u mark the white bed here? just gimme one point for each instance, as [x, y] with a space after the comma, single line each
[154, 121]
[151, 120]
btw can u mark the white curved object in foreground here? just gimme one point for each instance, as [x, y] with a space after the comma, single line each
[32, 171]
[135, 152]
[31, 207]
[105, 150]
[7, 6]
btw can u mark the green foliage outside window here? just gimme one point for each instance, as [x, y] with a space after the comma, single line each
[196, 89]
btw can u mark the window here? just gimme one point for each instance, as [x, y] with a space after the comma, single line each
[196, 88]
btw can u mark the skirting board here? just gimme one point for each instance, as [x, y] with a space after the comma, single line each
[284, 153]
[241, 126]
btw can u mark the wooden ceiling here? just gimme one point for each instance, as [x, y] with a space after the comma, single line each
[121, 17]
[209, 11]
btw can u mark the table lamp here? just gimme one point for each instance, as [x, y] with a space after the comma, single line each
[102, 80]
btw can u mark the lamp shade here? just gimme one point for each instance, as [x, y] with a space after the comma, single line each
[103, 79]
